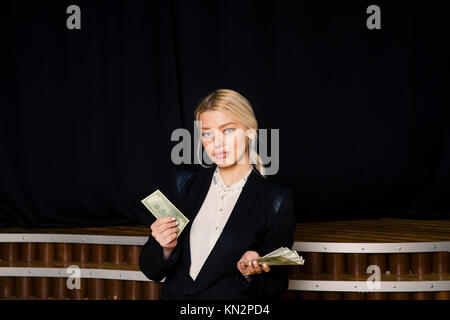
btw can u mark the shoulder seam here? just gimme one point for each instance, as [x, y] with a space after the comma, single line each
[278, 194]
[182, 176]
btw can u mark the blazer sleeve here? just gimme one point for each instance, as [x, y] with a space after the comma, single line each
[280, 234]
[152, 262]
[151, 259]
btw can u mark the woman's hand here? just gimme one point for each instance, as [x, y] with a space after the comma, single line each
[164, 230]
[253, 266]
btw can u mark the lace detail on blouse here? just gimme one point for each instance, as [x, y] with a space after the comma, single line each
[224, 190]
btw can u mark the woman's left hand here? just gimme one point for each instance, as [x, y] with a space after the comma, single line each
[253, 266]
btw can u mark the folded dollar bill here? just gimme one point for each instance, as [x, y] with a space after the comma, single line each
[281, 257]
[161, 207]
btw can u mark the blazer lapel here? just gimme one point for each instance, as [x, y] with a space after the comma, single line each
[232, 229]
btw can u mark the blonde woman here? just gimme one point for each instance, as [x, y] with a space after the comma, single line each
[235, 215]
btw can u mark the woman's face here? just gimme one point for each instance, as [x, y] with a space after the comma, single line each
[223, 138]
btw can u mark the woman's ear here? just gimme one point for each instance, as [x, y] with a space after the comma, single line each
[251, 134]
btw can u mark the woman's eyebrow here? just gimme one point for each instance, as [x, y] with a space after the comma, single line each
[225, 124]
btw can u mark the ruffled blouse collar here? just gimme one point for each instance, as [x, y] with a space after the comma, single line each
[225, 190]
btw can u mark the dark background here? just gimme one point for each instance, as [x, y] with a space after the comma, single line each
[86, 115]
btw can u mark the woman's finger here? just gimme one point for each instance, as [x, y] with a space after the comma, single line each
[256, 267]
[161, 221]
[265, 267]
[250, 268]
[168, 239]
[165, 226]
[168, 232]
[241, 269]
[252, 256]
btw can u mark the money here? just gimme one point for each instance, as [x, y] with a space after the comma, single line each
[161, 207]
[281, 257]
[278, 252]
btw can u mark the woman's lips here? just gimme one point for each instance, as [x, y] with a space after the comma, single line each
[221, 155]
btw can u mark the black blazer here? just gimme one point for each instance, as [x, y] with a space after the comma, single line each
[252, 225]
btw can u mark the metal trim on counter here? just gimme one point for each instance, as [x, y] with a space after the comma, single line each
[391, 247]
[65, 273]
[362, 286]
[72, 238]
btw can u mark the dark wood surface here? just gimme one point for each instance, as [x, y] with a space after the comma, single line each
[382, 230]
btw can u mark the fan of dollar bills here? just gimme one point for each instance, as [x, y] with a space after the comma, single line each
[281, 257]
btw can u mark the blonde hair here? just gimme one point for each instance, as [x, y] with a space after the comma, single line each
[237, 107]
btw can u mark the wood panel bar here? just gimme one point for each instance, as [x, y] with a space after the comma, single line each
[399, 264]
[60, 290]
[46, 253]
[24, 285]
[421, 266]
[151, 290]
[42, 287]
[314, 265]
[46, 256]
[440, 266]
[356, 266]
[80, 256]
[9, 253]
[114, 288]
[96, 287]
[335, 266]
[379, 260]
[132, 289]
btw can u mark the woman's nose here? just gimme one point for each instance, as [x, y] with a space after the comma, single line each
[218, 139]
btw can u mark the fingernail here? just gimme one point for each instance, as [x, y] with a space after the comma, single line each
[173, 219]
[255, 263]
[176, 223]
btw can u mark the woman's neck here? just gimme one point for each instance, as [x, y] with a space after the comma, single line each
[234, 173]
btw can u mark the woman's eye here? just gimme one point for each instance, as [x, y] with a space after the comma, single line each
[229, 130]
[206, 134]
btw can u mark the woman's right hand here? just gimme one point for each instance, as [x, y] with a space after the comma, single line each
[164, 230]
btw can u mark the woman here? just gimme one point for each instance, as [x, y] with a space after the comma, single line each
[232, 216]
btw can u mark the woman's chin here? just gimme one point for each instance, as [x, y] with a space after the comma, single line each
[223, 163]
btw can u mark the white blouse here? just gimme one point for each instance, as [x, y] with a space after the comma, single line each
[211, 218]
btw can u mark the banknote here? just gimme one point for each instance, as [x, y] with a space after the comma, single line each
[161, 207]
[281, 257]
[278, 252]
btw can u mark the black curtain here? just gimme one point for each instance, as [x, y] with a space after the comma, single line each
[87, 115]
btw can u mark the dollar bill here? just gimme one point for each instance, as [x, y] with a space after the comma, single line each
[161, 207]
[278, 252]
[281, 257]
